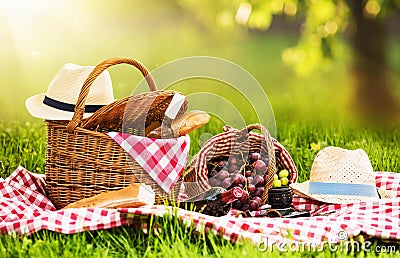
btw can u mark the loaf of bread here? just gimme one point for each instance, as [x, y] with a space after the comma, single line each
[182, 125]
[132, 196]
[189, 121]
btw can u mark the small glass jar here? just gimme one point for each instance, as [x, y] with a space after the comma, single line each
[280, 197]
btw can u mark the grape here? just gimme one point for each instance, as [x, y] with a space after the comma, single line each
[245, 198]
[250, 180]
[222, 164]
[283, 173]
[213, 182]
[226, 182]
[259, 191]
[284, 181]
[260, 173]
[253, 205]
[223, 174]
[255, 156]
[258, 180]
[248, 173]
[233, 168]
[232, 160]
[277, 183]
[242, 179]
[235, 179]
[258, 199]
[259, 165]
[251, 188]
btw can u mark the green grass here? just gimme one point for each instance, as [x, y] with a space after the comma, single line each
[166, 237]
[24, 144]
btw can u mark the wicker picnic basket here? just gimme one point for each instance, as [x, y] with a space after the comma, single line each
[234, 141]
[82, 162]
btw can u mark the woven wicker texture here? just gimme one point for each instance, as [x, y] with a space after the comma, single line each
[138, 114]
[337, 165]
[83, 162]
[224, 145]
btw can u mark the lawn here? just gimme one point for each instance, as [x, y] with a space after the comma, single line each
[24, 144]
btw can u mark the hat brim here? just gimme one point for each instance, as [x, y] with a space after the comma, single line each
[302, 190]
[37, 109]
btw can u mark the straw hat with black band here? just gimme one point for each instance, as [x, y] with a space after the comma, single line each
[62, 94]
[341, 176]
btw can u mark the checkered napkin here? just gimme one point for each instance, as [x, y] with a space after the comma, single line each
[25, 209]
[163, 159]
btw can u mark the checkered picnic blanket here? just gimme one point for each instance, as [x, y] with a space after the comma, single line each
[24, 209]
[163, 159]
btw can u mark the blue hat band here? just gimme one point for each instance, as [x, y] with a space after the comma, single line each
[343, 189]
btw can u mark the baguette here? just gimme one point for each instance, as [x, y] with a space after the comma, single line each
[189, 121]
[182, 125]
[132, 196]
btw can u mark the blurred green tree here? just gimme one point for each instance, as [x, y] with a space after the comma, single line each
[323, 23]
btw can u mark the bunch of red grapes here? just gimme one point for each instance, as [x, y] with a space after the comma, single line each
[248, 173]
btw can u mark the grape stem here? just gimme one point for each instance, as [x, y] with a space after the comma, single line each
[243, 170]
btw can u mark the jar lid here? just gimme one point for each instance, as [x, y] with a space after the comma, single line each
[280, 190]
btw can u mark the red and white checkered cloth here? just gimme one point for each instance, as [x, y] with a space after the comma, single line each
[163, 159]
[24, 209]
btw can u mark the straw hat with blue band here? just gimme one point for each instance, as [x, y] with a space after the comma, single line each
[62, 94]
[341, 176]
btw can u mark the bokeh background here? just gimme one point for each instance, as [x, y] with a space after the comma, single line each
[306, 69]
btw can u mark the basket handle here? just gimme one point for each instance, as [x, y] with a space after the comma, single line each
[271, 155]
[80, 104]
